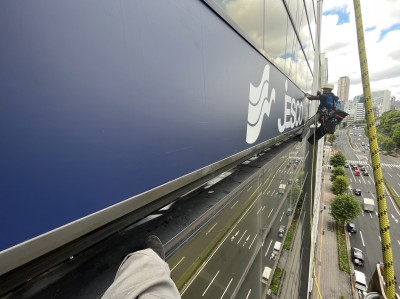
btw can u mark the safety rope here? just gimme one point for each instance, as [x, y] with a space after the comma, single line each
[388, 275]
[312, 204]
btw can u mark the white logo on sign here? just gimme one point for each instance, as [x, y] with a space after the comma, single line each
[293, 113]
[258, 106]
[261, 98]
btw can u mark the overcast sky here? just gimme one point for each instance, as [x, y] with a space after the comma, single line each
[381, 20]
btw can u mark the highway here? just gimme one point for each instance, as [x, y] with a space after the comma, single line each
[221, 235]
[241, 238]
[368, 238]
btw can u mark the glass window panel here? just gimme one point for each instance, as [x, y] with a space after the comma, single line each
[248, 15]
[310, 6]
[278, 32]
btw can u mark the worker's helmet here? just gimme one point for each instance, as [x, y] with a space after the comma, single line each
[328, 86]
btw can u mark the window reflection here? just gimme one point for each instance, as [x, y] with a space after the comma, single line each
[267, 25]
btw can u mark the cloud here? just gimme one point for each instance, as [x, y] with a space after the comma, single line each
[387, 30]
[381, 33]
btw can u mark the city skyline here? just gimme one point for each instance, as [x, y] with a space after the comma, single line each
[381, 31]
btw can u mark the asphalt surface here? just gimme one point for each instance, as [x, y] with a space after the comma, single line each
[333, 283]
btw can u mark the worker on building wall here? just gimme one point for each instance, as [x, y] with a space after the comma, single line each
[327, 114]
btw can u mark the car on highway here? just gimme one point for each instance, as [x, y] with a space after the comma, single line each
[351, 227]
[289, 212]
[357, 172]
[281, 231]
[346, 165]
[357, 256]
[354, 167]
[357, 192]
[365, 173]
[362, 168]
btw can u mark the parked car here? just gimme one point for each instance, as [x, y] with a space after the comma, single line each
[357, 256]
[289, 211]
[281, 231]
[351, 227]
[357, 192]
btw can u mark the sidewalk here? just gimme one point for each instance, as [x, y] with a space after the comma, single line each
[333, 283]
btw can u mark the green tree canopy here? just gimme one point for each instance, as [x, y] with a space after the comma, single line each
[388, 120]
[396, 134]
[345, 208]
[336, 172]
[338, 159]
[340, 185]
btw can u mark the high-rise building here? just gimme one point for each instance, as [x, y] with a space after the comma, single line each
[359, 111]
[381, 100]
[343, 88]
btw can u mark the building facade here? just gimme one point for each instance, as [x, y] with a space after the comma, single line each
[343, 88]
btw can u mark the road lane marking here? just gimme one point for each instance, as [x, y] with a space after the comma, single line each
[226, 288]
[398, 242]
[249, 188]
[263, 208]
[259, 210]
[362, 239]
[248, 237]
[211, 228]
[210, 283]
[280, 220]
[268, 248]
[234, 204]
[252, 241]
[233, 237]
[272, 194]
[389, 174]
[248, 294]
[270, 212]
[177, 264]
[216, 249]
[242, 236]
[391, 200]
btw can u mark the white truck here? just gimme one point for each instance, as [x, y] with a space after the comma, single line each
[369, 205]
[266, 274]
[282, 188]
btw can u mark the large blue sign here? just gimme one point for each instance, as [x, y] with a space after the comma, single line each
[103, 101]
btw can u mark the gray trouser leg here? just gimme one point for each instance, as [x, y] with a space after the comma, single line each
[143, 274]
